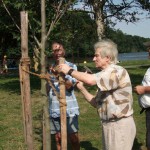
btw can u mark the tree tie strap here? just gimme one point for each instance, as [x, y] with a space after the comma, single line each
[47, 76]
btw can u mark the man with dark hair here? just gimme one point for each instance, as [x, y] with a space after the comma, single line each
[72, 105]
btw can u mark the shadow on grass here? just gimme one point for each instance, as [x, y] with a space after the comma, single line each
[11, 83]
[137, 74]
[137, 145]
[136, 79]
[37, 125]
[87, 145]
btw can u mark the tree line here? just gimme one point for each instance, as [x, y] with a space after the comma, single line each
[77, 30]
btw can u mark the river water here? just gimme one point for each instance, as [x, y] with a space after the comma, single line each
[133, 56]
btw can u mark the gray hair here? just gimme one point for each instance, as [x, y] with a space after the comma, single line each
[108, 48]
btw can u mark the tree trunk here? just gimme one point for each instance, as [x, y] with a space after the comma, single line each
[98, 11]
[46, 123]
[43, 44]
[100, 26]
[25, 82]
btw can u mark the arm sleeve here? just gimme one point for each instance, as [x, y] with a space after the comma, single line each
[146, 79]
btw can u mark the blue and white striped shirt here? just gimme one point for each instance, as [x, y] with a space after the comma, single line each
[72, 104]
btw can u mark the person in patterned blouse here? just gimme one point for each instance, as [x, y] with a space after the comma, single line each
[114, 96]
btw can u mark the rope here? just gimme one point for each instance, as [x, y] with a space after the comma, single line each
[47, 77]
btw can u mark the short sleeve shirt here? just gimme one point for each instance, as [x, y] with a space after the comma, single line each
[114, 97]
[146, 79]
[145, 98]
[72, 104]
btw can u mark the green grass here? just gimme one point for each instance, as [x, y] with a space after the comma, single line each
[134, 62]
[11, 125]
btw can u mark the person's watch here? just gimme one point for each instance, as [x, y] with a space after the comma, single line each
[70, 72]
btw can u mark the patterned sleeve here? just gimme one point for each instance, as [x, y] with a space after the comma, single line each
[111, 79]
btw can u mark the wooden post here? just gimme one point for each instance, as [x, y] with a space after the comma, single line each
[63, 109]
[25, 82]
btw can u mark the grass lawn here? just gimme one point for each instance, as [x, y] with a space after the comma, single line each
[11, 126]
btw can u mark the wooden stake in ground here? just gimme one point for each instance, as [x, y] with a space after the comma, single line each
[25, 82]
[63, 109]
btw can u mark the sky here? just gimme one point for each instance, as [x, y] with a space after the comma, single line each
[141, 28]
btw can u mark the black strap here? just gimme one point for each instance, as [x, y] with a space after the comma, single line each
[142, 110]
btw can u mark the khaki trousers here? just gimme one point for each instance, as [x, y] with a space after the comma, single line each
[118, 134]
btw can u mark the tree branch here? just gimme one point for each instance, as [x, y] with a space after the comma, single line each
[33, 34]
[59, 13]
[10, 16]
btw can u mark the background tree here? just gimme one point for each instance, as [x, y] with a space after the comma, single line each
[145, 4]
[76, 28]
[78, 31]
[40, 27]
[110, 11]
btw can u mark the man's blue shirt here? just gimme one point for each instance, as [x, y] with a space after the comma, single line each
[72, 104]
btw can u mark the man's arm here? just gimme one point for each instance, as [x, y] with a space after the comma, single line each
[139, 89]
[84, 77]
[89, 97]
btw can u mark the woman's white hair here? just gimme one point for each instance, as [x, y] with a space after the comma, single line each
[108, 48]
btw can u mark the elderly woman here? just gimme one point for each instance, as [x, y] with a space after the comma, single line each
[114, 96]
